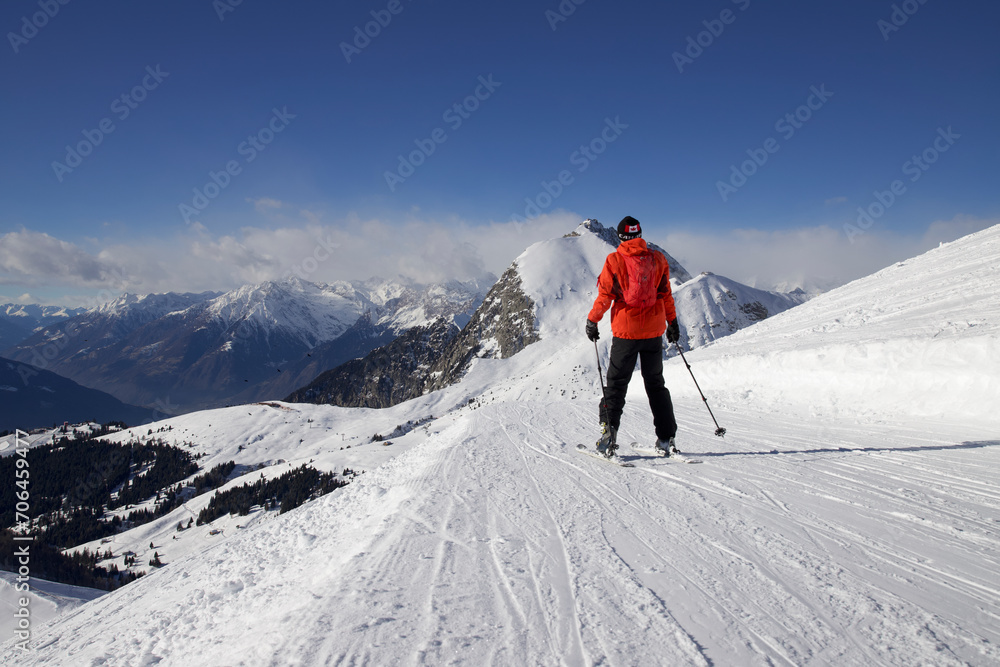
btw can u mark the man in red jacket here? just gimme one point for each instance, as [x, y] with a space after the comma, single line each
[635, 284]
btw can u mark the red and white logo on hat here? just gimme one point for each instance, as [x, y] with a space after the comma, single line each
[632, 229]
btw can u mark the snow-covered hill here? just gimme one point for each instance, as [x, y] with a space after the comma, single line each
[920, 338]
[560, 277]
[809, 535]
[49, 600]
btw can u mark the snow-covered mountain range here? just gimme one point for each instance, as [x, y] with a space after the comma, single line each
[180, 352]
[709, 307]
[849, 517]
[18, 321]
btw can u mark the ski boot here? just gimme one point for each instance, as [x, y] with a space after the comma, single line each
[607, 445]
[667, 448]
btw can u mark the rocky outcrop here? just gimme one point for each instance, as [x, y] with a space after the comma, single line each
[386, 376]
[429, 358]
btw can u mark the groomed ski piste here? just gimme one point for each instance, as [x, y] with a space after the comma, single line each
[851, 515]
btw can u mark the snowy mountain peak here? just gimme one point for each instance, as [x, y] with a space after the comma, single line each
[36, 312]
[678, 274]
[151, 306]
[308, 312]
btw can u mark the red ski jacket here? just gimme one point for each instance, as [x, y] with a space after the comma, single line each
[635, 284]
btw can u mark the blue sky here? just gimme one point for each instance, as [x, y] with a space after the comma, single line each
[557, 81]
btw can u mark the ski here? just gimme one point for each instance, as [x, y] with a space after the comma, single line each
[615, 460]
[653, 451]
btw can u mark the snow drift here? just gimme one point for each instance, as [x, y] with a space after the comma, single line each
[919, 339]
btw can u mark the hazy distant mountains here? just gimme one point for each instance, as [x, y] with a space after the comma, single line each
[33, 398]
[182, 352]
[19, 321]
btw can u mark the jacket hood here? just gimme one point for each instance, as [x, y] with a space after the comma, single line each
[632, 247]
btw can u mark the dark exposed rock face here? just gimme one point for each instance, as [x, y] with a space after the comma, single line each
[500, 328]
[429, 358]
[386, 376]
[756, 311]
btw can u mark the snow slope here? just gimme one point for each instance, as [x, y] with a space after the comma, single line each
[48, 600]
[919, 339]
[812, 534]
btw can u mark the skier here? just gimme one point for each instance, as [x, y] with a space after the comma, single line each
[635, 284]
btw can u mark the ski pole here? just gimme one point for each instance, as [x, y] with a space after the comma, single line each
[719, 431]
[600, 374]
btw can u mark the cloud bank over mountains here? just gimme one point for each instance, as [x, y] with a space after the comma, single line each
[37, 267]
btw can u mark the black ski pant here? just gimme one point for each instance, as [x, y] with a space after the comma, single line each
[649, 352]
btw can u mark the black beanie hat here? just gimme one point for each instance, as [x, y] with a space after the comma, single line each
[629, 228]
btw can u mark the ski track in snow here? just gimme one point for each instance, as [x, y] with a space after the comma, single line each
[495, 543]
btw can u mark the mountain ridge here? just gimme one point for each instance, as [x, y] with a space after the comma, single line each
[189, 351]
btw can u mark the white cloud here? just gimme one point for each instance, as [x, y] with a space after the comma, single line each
[348, 249]
[810, 257]
[32, 258]
[265, 205]
[836, 200]
[428, 251]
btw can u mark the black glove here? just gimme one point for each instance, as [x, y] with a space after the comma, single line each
[673, 331]
[592, 332]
